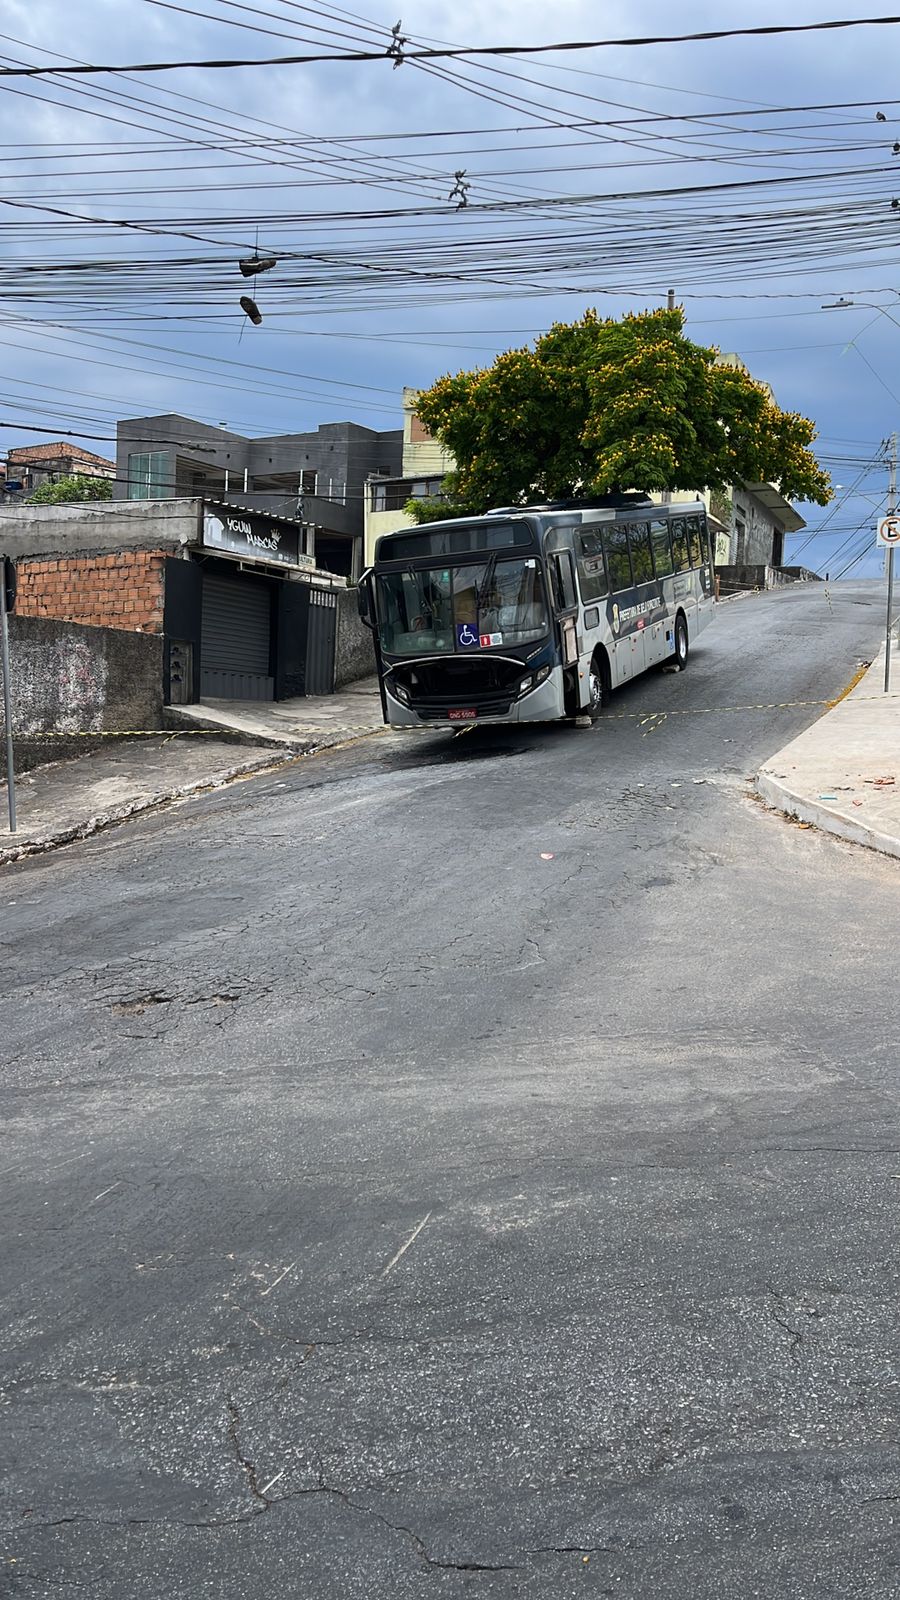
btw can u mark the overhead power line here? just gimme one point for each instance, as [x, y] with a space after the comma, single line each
[398, 56]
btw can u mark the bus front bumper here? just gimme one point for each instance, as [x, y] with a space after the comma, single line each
[543, 704]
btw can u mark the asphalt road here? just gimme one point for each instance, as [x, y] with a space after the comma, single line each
[464, 1168]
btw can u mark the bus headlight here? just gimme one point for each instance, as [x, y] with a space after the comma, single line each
[532, 681]
[398, 691]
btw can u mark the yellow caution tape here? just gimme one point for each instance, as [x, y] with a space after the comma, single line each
[130, 733]
[648, 720]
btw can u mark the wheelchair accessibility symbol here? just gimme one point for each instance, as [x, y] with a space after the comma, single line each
[467, 637]
[889, 531]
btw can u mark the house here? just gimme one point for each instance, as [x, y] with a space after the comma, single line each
[30, 465]
[316, 478]
[238, 606]
[423, 464]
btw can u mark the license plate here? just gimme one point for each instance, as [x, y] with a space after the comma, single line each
[462, 716]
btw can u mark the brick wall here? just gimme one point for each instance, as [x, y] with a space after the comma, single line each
[123, 591]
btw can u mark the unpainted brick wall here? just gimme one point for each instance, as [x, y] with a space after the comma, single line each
[123, 590]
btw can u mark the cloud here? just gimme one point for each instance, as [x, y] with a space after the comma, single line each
[371, 304]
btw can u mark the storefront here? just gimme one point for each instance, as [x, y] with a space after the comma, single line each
[242, 609]
[248, 617]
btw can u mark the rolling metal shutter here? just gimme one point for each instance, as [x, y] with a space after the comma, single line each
[235, 639]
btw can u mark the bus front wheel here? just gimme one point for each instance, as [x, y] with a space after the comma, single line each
[600, 686]
[680, 654]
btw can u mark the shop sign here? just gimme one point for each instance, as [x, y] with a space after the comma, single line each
[256, 538]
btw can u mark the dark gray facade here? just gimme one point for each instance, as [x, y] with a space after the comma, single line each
[318, 478]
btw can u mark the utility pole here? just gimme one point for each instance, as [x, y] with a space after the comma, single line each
[671, 304]
[891, 507]
[7, 696]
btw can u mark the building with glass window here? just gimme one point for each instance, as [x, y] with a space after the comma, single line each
[424, 462]
[30, 466]
[318, 479]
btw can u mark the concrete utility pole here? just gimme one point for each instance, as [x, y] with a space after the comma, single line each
[7, 698]
[671, 304]
[891, 507]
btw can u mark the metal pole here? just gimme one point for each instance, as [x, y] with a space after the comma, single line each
[892, 497]
[7, 700]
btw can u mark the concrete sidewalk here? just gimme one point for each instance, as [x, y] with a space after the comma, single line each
[843, 773]
[71, 799]
[301, 724]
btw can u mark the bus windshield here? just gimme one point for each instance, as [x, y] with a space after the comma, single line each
[481, 605]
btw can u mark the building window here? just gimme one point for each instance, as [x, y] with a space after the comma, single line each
[308, 482]
[393, 494]
[147, 476]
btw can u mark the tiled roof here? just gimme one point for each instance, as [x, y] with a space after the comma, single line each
[52, 452]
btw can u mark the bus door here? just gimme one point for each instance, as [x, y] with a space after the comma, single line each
[561, 567]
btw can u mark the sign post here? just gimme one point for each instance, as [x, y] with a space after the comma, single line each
[889, 538]
[7, 599]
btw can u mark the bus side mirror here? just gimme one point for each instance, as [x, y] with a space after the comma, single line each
[364, 600]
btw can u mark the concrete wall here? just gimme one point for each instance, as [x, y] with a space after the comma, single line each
[342, 454]
[423, 455]
[761, 576]
[68, 680]
[355, 651]
[106, 526]
[756, 547]
[379, 522]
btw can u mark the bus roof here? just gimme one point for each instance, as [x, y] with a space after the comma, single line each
[601, 508]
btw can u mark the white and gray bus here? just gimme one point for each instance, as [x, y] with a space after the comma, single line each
[537, 613]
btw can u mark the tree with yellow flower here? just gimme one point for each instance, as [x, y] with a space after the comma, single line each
[605, 404]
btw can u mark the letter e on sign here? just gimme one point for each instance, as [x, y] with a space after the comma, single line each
[889, 531]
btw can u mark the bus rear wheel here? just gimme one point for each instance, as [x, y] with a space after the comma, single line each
[680, 654]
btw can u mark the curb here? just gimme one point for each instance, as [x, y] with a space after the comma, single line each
[273, 761]
[779, 796]
[787, 793]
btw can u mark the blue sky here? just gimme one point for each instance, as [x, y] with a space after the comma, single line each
[142, 195]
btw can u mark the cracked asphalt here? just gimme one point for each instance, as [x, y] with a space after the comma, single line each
[464, 1167]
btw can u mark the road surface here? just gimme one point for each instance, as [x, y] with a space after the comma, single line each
[464, 1168]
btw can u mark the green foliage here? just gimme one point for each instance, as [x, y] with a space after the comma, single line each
[65, 491]
[602, 404]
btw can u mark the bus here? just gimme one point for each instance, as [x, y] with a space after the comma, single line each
[534, 614]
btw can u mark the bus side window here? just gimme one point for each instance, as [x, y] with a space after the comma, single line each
[562, 581]
[662, 550]
[680, 545]
[693, 526]
[618, 561]
[641, 559]
[591, 571]
[705, 541]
